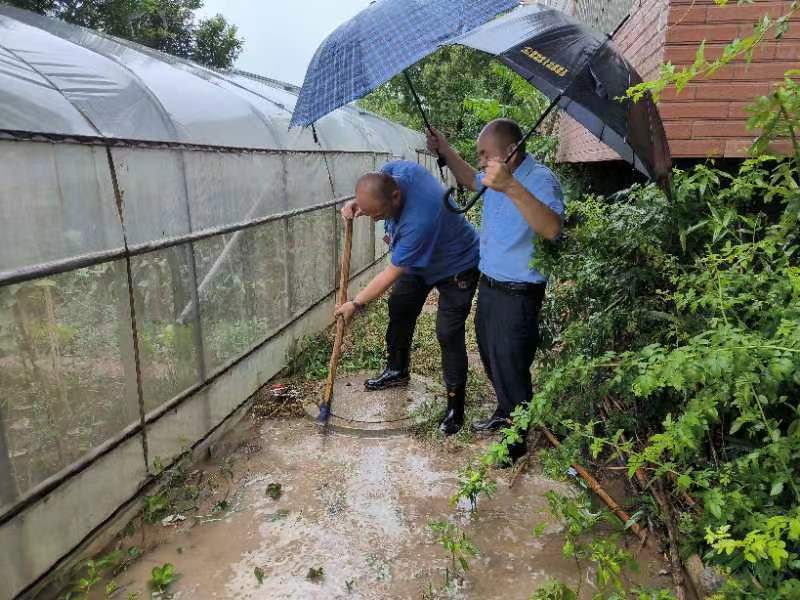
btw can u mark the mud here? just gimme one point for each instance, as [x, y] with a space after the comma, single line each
[357, 507]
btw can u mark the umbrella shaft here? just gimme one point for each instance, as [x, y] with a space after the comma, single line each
[417, 100]
[533, 129]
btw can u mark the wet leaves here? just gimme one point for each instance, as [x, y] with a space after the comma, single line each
[274, 490]
[315, 574]
[281, 514]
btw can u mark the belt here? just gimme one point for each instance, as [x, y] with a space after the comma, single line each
[463, 278]
[466, 274]
[513, 287]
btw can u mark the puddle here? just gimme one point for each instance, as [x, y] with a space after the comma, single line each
[355, 410]
[357, 507]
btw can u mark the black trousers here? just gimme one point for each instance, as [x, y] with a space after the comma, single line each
[507, 327]
[455, 300]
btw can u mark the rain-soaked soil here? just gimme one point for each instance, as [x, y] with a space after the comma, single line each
[357, 506]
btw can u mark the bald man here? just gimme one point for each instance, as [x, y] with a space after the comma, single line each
[523, 201]
[430, 248]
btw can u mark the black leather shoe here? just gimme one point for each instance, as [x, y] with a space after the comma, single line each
[494, 423]
[454, 419]
[388, 379]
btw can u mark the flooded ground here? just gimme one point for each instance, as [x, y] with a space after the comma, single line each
[353, 508]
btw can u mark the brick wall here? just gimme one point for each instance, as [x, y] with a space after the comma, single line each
[641, 40]
[708, 117]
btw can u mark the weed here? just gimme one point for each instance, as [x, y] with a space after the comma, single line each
[473, 480]
[348, 586]
[274, 490]
[457, 546]
[315, 574]
[554, 590]
[94, 570]
[162, 577]
[156, 507]
[259, 573]
[177, 492]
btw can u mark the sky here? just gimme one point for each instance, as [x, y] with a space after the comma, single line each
[281, 36]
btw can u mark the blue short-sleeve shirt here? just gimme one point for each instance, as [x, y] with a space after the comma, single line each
[506, 238]
[426, 238]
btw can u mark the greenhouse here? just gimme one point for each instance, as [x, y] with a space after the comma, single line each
[165, 240]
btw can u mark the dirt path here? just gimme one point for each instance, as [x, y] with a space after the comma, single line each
[359, 508]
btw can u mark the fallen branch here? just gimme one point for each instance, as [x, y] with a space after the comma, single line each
[593, 484]
[674, 559]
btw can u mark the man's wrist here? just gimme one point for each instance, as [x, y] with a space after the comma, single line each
[357, 305]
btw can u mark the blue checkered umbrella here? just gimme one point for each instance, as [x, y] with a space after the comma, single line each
[381, 41]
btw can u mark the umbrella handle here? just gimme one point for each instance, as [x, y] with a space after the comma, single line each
[455, 207]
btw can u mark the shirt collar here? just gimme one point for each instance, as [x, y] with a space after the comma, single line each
[525, 167]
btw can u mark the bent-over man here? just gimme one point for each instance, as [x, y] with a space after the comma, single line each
[430, 247]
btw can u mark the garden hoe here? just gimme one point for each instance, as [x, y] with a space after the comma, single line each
[344, 279]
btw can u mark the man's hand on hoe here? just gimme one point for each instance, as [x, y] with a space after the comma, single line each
[346, 311]
[351, 210]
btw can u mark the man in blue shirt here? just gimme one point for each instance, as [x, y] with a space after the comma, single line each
[430, 247]
[524, 200]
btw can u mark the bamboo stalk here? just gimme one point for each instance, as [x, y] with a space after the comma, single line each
[344, 280]
[595, 486]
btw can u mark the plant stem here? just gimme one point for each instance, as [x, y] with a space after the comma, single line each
[640, 532]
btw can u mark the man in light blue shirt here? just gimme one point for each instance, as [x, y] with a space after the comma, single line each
[524, 200]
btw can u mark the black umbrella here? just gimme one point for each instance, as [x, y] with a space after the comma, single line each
[584, 74]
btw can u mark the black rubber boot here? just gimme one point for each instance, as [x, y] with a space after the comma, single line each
[454, 419]
[494, 423]
[395, 374]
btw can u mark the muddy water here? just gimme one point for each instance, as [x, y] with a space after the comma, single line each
[354, 410]
[357, 507]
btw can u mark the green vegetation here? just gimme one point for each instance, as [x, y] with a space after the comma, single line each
[162, 577]
[461, 90]
[93, 571]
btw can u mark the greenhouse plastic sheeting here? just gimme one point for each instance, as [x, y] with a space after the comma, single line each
[118, 89]
[56, 201]
[311, 235]
[244, 298]
[233, 188]
[155, 205]
[69, 383]
[347, 168]
[169, 349]
[46, 109]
